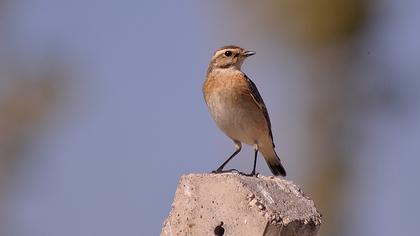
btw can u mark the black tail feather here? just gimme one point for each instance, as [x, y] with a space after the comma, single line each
[277, 169]
[273, 161]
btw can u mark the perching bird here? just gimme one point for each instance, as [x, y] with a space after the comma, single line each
[238, 108]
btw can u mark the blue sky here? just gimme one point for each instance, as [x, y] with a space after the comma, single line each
[133, 118]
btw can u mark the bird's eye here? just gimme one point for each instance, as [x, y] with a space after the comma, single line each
[228, 53]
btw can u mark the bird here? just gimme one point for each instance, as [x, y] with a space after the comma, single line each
[238, 108]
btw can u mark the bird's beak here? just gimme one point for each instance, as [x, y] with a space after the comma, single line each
[248, 53]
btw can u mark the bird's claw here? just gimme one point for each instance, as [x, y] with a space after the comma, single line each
[252, 174]
[218, 171]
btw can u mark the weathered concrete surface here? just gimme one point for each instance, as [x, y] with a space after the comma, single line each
[246, 206]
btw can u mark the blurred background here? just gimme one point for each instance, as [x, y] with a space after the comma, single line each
[101, 109]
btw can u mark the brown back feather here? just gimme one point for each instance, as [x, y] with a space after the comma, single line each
[260, 103]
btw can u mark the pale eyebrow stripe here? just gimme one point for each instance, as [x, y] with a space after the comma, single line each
[220, 52]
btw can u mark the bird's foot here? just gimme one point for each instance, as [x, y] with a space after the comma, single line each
[220, 171]
[252, 174]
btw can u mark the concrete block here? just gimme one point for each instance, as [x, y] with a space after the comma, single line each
[246, 206]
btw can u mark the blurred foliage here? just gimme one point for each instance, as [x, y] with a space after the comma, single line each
[28, 92]
[28, 100]
[324, 32]
[320, 23]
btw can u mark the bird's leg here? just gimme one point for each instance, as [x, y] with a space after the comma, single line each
[238, 147]
[255, 160]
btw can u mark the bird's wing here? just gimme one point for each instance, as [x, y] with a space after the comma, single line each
[260, 103]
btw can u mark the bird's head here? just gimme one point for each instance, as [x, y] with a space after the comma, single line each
[229, 56]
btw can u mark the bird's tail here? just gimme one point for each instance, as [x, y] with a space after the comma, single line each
[273, 161]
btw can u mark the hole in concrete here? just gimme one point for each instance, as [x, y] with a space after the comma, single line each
[219, 230]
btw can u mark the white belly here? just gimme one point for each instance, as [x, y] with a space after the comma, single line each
[239, 118]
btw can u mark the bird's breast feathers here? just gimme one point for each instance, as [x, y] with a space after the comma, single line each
[232, 106]
[231, 83]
